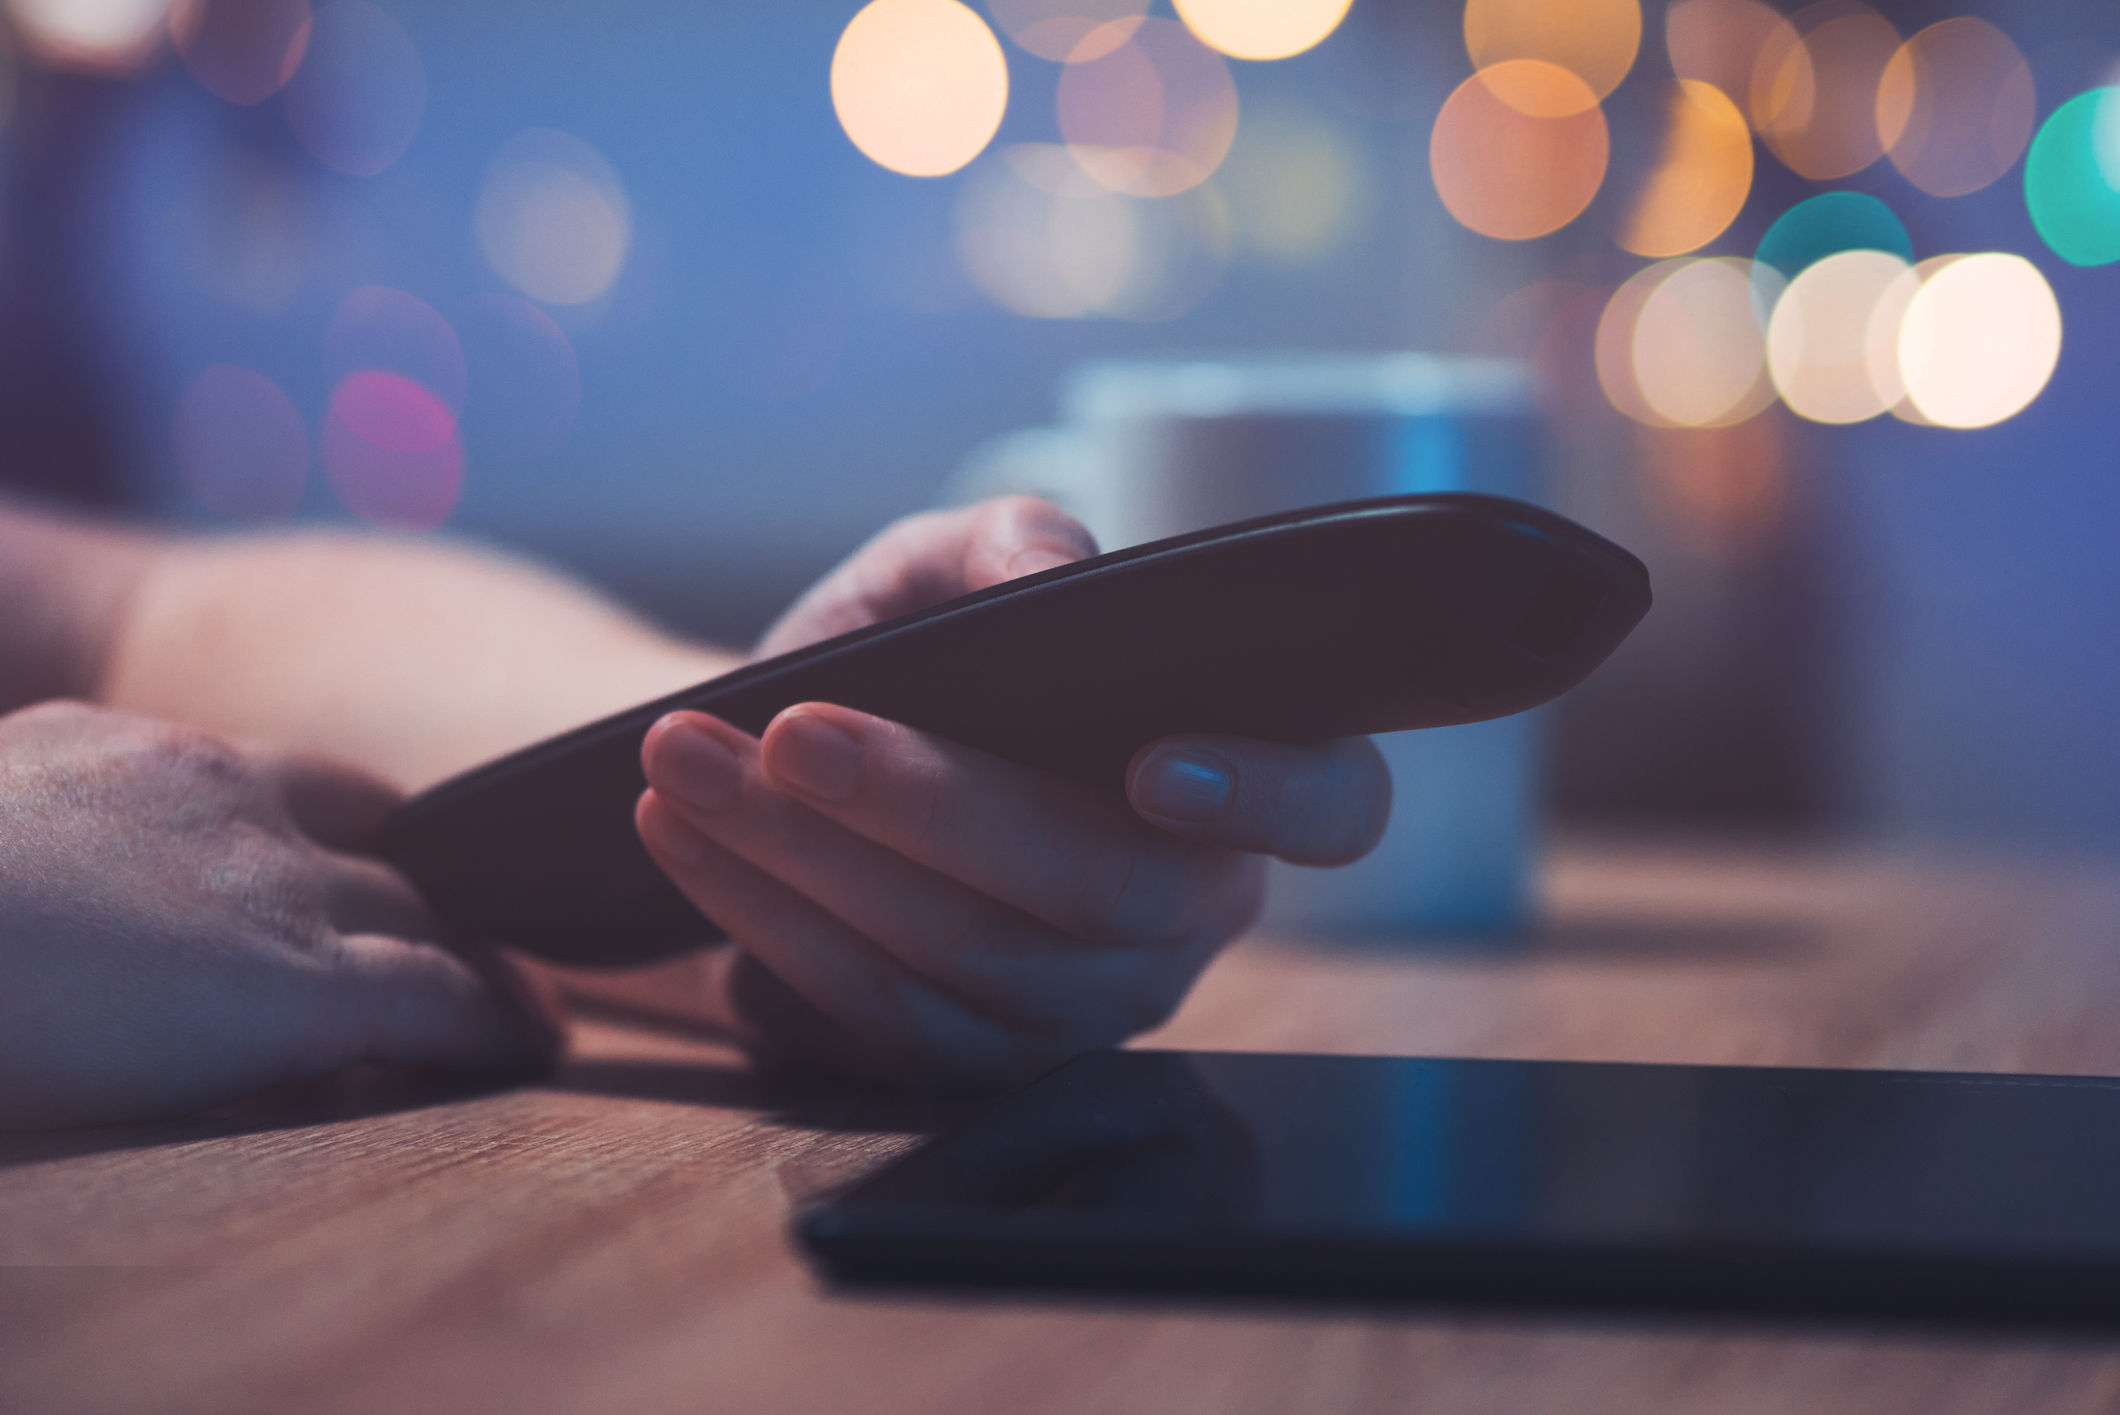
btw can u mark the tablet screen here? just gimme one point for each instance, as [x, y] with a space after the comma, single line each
[1722, 1187]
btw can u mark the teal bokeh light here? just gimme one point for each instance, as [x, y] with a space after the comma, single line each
[2072, 179]
[1811, 230]
[1826, 225]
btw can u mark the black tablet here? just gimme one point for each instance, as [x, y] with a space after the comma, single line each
[1369, 616]
[1513, 1183]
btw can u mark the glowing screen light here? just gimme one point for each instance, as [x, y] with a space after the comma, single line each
[241, 50]
[1719, 41]
[1699, 357]
[1955, 107]
[1702, 175]
[1596, 40]
[357, 99]
[1052, 29]
[98, 36]
[919, 85]
[241, 447]
[391, 451]
[1153, 113]
[1979, 340]
[552, 218]
[2073, 195]
[1818, 345]
[1262, 29]
[1519, 149]
[1814, 88]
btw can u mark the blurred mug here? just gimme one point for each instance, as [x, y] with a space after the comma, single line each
[1153, 448]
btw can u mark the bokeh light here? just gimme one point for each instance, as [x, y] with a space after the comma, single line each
[1823, 226]
[1819, 342]
[553, 219]
[241, 50]
[1596, 40]
[1294, 184]
[1262, 29]
[524, 385]
[1719, 41]
[90, 36]
[1613, 355]
[391, 451]
[1955, 106]
[1052, 29]
[1979, 340]
[919, 85]
[1151, 115]
[1699, 358]
[1702, 175]
[1519, 149]
[2072, 193]
[1814, 88]
[357, 98]
[241, 447]
[1039, 237]
[377, 327]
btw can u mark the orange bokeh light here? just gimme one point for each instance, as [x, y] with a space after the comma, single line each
[1596, 40]
[1955, 107]
[1702, 176]
[1262, 29]
[1519, 149]
[1814, 88]
[919, 85]
[1719, 41]
[1151, 115]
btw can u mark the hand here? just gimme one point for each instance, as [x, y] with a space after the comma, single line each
[913, 911]
[180, 925]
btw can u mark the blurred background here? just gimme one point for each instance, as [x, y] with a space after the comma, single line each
[692, 298]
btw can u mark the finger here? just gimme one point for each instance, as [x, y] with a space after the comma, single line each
[902, 1017]
[417, 1005]
[336, 804]
[1014, 536]
[989, 956]
[363, 896]
[1314, 805]
[925, 559]
[1077, 858]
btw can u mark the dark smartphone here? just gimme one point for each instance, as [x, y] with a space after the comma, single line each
[1369, 616]
[1701, 1189]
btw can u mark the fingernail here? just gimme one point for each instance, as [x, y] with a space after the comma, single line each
[1031, 559]
[1183, 785]
[814, 757]
[697, 769]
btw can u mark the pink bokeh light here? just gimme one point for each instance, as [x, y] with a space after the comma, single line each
[391, 451]
[377, 327]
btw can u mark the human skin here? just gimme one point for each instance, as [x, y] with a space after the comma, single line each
[185, 914]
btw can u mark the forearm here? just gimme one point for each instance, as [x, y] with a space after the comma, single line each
[415, 659]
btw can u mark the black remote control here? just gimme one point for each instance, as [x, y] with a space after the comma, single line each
[1368, 616]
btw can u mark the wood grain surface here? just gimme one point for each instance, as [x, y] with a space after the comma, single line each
[618, 1242]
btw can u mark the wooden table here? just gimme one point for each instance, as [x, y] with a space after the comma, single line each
[619, 1243]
